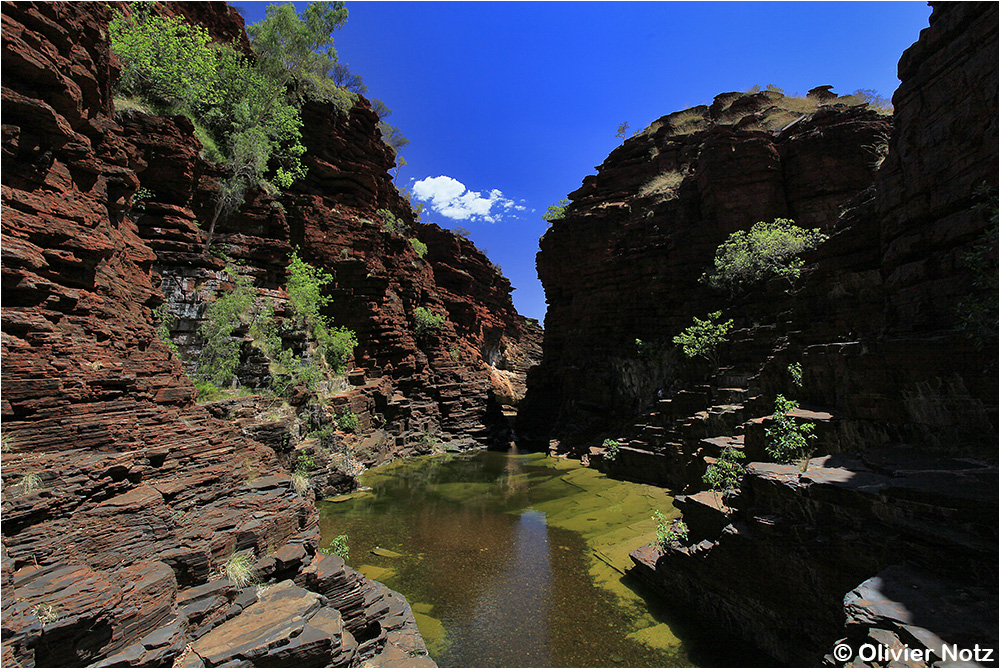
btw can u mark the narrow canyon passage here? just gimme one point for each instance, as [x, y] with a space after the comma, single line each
[518, 560]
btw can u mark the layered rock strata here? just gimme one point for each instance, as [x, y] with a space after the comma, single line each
[900, 386]
[124, 501]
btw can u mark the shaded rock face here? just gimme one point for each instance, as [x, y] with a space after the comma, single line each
[903, 474]
[123, 499]
[624, 263]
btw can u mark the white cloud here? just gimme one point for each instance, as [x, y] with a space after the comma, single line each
[450, 198]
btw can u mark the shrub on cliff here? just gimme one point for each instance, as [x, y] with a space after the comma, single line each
[220, 353]
[239, 109]
[556, 211]
[426, 322]
[305, 295]
[702, 339]
[750, 257]
[668, 532]
[788, 440]
[418, 246]
[726, 473]
[245, 112]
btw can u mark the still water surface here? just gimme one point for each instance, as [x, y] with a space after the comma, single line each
[519, 560]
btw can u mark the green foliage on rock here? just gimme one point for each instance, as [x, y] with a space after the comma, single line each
[305, 295]
[668, 532]
[426, 321]
[611, 447]
[726, 473]
[165, 60]
[766, 250]
[702, 339]
[338, 546]
[245, 112]
[347, 421]
[795, 371]
[390, 223]
[418, 246]
[556, 211]
[977, 313]
[220, 353]
[787, 439]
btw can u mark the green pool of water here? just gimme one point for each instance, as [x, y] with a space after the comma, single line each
[521, 560]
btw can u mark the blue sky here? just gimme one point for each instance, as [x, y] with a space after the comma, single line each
[508, 106]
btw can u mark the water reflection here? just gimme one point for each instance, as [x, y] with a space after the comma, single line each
[517, 560]
[509, 620]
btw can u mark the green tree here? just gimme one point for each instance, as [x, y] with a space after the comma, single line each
[726, 473]
[786, 438]
[622, 130]
[426, 321]
[556, 211]
[704, 337]
[750, 257]
[289, 48]
[220, 353]
[165, 60]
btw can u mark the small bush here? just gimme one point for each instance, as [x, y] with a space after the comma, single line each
[786, 438]
[418, 246]
[428, 440]
[220, 353]
[30, 482]
[240, 570]
[556, 211]
[165, 321]
[795, 371]
[668, 532]
[347, 421]
[337, 346]
[208, 391]
[726, 473]
[767, 250]
[426, 321]
[611, 447]
[704, 337]
[47, 614]
[390, 223]
[338, 546]
[305, 290]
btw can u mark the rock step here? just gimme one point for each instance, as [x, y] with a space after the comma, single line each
[714, 446]
[735, 395]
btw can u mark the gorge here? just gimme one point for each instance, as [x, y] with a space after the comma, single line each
[129, 501]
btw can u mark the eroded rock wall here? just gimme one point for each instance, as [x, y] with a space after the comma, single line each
[123, 499]
[625, 262]
[900, 491]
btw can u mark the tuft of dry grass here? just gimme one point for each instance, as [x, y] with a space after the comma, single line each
[240, 569]
[663, 184]
[126, 106]
[687, 121]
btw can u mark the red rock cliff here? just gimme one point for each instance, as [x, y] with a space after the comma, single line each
[123, 499]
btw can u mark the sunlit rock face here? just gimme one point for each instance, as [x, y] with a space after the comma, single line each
[123, 499]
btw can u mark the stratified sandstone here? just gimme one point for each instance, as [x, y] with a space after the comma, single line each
[123, 499]
[901, 487]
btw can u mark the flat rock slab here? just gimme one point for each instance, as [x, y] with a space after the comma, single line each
[265, 629]
[924, 610]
